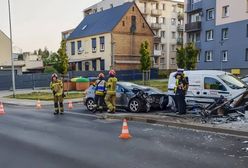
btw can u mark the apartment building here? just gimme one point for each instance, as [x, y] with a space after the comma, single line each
[110, 38]
[219, 29]
[165, 17]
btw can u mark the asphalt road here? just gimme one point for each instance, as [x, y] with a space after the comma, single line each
[32, 138]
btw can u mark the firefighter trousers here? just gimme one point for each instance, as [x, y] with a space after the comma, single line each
[58, 104]
[110, 102]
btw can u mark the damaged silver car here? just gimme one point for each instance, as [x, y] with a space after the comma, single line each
[133, 98]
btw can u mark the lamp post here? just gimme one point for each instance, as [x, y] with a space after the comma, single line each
[11, 48]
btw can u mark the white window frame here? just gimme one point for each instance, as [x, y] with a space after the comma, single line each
[173, 35]
[225, 11]
[209, 35]
[209, 56]
[212, 14]
[224, 55]
[173, 21]
[224, 33]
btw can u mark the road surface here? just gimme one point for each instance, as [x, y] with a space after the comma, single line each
[38, 139]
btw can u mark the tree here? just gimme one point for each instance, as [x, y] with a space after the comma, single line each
[187, 57]
[145, 59]
[191, 56]
[39, 52]
[180, 57]
[63, 61]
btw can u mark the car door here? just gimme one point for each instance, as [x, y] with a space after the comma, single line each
[213, 88]
[121, 97]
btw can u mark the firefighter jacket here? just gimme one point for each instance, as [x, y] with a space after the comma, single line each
[57, 87]
[100, 87]
[111, 86]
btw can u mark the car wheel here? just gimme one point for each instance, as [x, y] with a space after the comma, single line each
[90, 104]
[134, 105]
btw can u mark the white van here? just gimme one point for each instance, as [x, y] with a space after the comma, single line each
[207, 85]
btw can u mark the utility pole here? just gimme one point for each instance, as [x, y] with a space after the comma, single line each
[11, 48]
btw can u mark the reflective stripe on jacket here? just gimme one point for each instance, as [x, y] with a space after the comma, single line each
[111, 85]
[100, 87]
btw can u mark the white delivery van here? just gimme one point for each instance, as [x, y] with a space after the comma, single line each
[207, 85]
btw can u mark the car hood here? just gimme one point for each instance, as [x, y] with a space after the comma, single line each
[150, 90]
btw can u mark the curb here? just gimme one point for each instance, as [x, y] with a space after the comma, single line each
[180, 125]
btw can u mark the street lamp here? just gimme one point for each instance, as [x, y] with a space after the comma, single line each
[11, 52]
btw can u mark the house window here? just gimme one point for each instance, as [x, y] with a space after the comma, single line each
[73, 48]
[123, 23]
[246, 54]
[162, 47]
[111, 5]
[133, 8]
[143, 25]
[199, 56]
[162, 34]
[102, 65]
[173, 47]
[209, 56]
[157, 5]
[164, 6]
[213, 84]
[163, 20]
[224, 33]
[225, 11]
[102, 44]
[173, 21]
[93, 43]
[133, 24]
[157, 19]
[224, 55]
[174, 7]
[79, 45]
[209, 35]
[210, 14]
[173, 35]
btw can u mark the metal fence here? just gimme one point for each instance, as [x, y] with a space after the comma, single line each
[39, 80]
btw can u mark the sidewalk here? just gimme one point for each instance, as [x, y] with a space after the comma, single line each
[25, 102]
[188, 121]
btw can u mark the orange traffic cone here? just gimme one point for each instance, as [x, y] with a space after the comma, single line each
[70, 106]
[1, 109]
[38, 104]
[125, 132]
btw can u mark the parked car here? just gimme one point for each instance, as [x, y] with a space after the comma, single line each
[132, 97]
[245, 79]
[205, 86]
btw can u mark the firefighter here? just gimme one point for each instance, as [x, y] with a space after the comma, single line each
[111, 92]
[100, 91]
[56, 86]
[180, 90]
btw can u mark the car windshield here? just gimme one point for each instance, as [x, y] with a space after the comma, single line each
[232, 81]
[245, 79]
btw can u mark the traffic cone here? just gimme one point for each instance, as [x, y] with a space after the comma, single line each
[125, 132]
[1, 109]
[38, 104]
[70, 106]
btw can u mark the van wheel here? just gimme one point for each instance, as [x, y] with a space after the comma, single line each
[134, 105]
[90, 104]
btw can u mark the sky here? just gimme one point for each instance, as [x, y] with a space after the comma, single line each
[39, 23]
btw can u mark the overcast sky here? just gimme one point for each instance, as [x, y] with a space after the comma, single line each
[39, 23]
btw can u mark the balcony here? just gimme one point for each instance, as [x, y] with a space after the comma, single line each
[157, 53]
[180, 16]
[157, 40]
[156, 26]
[194, 26]
[156, 12]
[191, 7]
[180, 28]
[146, 12]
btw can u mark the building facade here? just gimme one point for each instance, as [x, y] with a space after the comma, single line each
[219, 29]
[165, 17]
[110, 38]
[4, 49]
